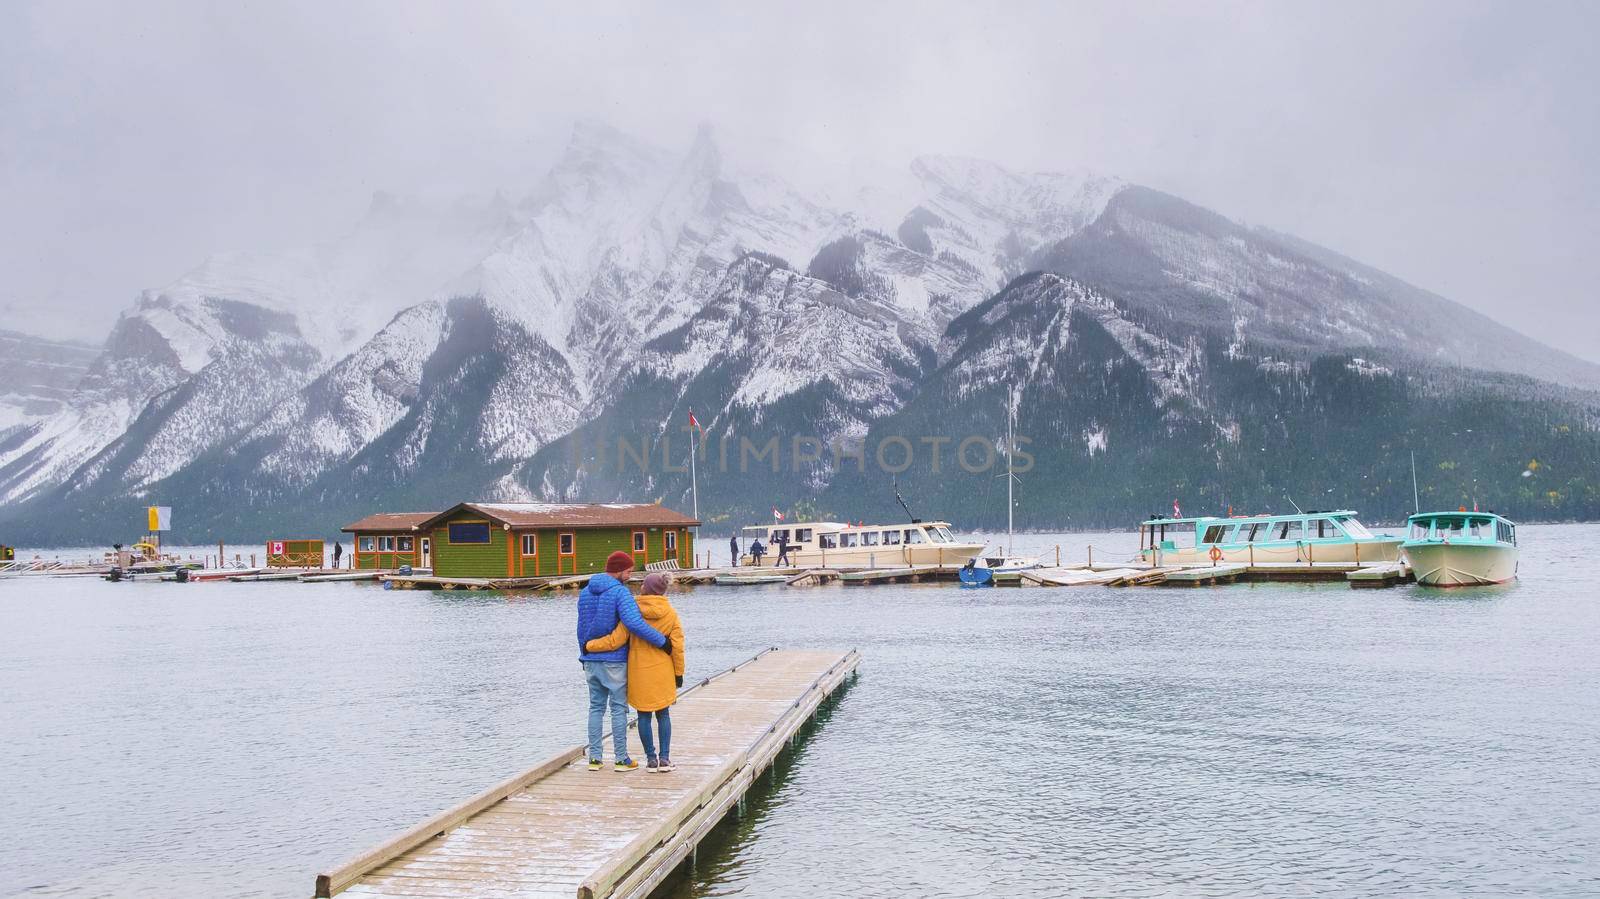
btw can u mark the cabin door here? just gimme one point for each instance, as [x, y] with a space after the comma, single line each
[427, 552]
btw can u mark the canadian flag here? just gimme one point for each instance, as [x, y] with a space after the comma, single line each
[695, 422]
[1176, 512]
[776, 515]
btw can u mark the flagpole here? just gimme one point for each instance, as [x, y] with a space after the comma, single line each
[694, 486]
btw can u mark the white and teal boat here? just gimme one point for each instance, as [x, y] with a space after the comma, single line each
[1461, 549]
[1304, 537]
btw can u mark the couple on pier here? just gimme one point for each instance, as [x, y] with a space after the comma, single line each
[632, 654]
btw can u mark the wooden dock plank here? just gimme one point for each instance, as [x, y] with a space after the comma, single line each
[561, 829]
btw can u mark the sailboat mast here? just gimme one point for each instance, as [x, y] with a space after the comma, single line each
[1011, 418]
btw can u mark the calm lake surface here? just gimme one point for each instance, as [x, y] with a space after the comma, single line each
[233, 739]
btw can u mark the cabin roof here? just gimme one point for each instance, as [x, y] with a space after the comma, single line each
[1457, 513]
[1212, 519]
[817, 525]
[571, 515]
[389, 521]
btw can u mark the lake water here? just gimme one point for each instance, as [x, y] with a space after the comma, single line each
[233, 739]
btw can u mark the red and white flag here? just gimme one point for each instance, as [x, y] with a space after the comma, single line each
[1176, 512]
[695, 422]
[776, 515]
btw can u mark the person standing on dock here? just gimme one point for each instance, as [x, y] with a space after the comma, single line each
[783, 549]
[654, 675]
[757, 551]
[338, 552]
[733, 550]
[603, 603]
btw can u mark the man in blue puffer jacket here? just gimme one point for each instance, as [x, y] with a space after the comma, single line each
[604, 601]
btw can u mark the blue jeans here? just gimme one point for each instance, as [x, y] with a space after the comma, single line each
[664, 722]
[608, 681]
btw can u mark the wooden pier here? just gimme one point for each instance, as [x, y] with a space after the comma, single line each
[559, 829]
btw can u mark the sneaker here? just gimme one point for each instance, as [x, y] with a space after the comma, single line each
[626, 765]
[665, 766]
[594, 764]
[650, 766]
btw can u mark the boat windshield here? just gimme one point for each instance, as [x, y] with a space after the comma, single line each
[1354, 528]
[1419, 528]
[941, 535]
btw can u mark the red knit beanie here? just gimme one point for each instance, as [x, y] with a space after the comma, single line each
[618, 562]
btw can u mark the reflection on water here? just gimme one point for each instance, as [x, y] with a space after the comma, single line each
[234, 738]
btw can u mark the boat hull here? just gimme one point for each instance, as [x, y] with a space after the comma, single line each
[1351, 552]
[1462, 564]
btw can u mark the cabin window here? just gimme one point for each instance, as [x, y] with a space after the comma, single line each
[802, 535]
[1354, 528]
[1247, 532]
[638, 541]
[870, 538]
[1325, 528]
[530, 544]
[1506, 532]
[565, 544]
[914, 535]
[891, 538]
[945, 535]
[828, 541]
[1453, 527]
[386, 544]
[365, 544]
[1419, 529]
[469, 532]
[1214, 533]
[1291, 530]
[407, 544]
[672, 540]
[778, 534]
[849, 540]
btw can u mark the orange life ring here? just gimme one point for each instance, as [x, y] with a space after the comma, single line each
[1215, 554]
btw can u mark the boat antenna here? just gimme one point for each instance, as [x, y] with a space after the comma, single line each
[1295, 504]
[1416, 499]
[902, 501]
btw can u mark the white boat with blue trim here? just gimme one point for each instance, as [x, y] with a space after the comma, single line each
[1461, 549]
[1301, 538]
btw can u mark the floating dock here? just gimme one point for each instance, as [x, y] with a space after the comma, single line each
[559, 829]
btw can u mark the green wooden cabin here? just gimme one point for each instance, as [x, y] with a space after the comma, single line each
[387, 540]
[294, 553]
[497, 540]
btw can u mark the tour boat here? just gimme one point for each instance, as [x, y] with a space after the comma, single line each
[1254, 539]
[1461, 549]
[820, 544]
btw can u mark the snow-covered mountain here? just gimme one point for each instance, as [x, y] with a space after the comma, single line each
[493, 348]
[37, 376]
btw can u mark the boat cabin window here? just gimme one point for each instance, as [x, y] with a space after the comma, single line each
[1323, 528]
[870, 538]
[366, 544]
[777, 534]
[1505, 533]
[1290, 530]
[1452, 527]
[1253, 532]
[891, 538]
[849, 540]
[914, 535]
[1419, 528]
[802, 535]
[942, 535]
[828, 541]
[1354, 528]
[1214, 533]
[1478, 527]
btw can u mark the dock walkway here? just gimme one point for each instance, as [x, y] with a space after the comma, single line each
[559, 829]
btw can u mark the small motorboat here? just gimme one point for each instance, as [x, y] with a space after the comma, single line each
[1461, 549]
[981, 571]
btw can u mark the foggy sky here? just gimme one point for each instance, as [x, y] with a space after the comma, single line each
[1450, 144]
